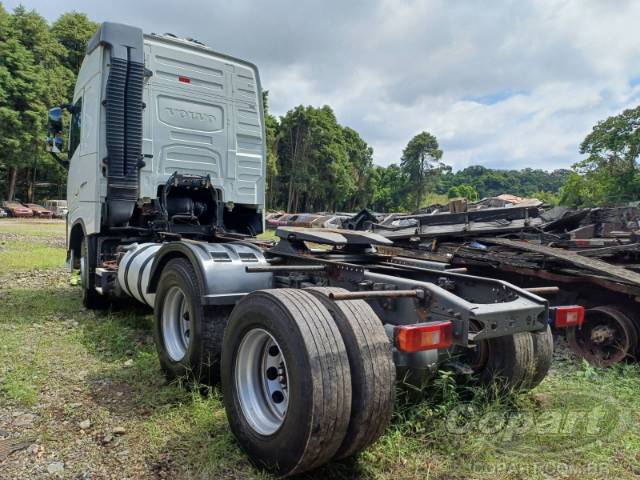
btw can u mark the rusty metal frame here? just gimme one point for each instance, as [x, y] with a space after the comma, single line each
[497, 306]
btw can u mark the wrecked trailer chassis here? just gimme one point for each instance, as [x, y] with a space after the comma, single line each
[609, 291]
[611, 330]
[403, 294]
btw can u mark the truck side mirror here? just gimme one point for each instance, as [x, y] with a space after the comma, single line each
[55, 120]
[54, 129]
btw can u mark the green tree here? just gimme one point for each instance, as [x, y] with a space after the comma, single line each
[360, 156]
[549, 198]
[391, 188]
[584, 191]
[293, 151]
[32, 78]
[21, 91]
[32, 30]
[489, 182]
[331, 181]
[612, 150]
[318, 161]
[272, 129]
[73, 31]
[609, 174]
[421, 163]
[465, 190]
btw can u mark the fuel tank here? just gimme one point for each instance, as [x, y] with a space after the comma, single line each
[223, 265]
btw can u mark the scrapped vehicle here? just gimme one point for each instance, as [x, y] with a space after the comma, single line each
[39, 211]
[288, 219]
[3, 213]
[58, 207]
[304, 220]
[590, 254]
[17, 209]
[319, 222]
[272, 219]
[404, 222]
[335, 221]
[282, 220]
[166, 194]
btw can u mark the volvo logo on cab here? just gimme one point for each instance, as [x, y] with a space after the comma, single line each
[182, 113]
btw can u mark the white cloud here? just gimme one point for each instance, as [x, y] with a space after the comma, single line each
[509, 84]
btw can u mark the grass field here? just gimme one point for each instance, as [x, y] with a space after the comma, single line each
[84, 394]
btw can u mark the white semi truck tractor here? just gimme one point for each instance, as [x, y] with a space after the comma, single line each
[166, 189]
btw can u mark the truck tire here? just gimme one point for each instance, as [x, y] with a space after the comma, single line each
[372, 370]
[91, 299]
[542, 357]
[505, 362]
[188, 335]
[286, 380]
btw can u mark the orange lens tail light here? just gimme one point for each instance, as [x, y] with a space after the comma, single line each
[423, 336]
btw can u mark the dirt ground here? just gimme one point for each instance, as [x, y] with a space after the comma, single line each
[82, 397]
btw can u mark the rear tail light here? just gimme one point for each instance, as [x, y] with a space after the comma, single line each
[570, 316]
[424, 336]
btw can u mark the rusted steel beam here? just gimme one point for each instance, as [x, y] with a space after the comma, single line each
[574, 278]
[284, 268]
[603, 252]
[369, 294]
[456, 270]
[616, 272]
[543, 290]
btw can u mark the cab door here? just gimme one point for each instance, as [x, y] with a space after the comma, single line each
[84, 189]
[75, 183]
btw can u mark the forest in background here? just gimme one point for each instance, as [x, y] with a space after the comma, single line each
[313, 162]
[38, 67]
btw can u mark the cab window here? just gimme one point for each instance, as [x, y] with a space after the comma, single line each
[76, 127]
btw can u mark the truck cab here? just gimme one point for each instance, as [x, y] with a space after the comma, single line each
[165, 135]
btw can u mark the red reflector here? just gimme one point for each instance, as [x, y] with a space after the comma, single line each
[425, 336]
[184, 79]
[569, 316]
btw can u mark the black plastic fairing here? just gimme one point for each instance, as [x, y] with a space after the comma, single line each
[124, 106]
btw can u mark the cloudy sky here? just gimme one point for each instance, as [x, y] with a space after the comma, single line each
[505, 84]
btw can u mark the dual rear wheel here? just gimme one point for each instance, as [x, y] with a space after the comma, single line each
[304, 379]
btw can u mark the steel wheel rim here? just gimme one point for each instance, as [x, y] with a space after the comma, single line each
[262, 381]
[176, 323]
[619, 345]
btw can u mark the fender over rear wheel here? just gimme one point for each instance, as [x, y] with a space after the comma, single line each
[286, 380]
[188, 335]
